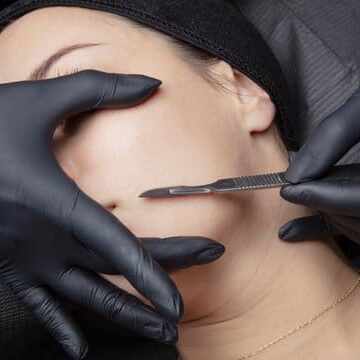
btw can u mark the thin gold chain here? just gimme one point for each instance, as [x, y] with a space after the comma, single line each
[306, 323]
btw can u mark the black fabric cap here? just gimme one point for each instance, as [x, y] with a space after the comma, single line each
[211, 25]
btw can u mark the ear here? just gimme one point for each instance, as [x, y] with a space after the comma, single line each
[257, 109]
[253, 104]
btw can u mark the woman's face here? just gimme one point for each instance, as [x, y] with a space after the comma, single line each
[188, 132]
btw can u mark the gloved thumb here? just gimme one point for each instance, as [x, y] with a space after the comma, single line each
[88, 90]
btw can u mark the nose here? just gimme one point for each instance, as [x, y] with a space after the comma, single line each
[72, 169]
[67, 163]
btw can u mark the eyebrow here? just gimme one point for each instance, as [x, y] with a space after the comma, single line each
[43, 69]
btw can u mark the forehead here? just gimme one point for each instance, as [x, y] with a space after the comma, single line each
[38, 34]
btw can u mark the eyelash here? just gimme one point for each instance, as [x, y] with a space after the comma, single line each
[68, 72]
[67, 124]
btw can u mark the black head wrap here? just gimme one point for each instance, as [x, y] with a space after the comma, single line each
[211, 25]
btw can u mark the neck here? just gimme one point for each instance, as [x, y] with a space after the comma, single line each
[269, 290]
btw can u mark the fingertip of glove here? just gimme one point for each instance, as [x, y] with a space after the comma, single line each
[211, 254]
[154, 83]
[132, 90]
[282, 233]
[288, 192]
[292, 232]
[145, 82]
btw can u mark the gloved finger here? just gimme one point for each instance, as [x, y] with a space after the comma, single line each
[174, 252]
[330, 197]
[317, 156]
[306, 227]
[90, 89]
[90, 290]
[179, 251]
[101, 231]
[51, 314]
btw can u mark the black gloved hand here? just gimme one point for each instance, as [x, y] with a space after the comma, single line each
[107, 343]
[338, 203]
[40, 205]
[75, 280]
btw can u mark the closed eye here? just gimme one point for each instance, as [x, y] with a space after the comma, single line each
[70, 125]
[67, 72]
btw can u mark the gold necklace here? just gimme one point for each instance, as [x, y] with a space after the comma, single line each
[306, 323]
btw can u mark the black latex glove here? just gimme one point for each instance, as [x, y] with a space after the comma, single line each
[37, 260]
[337, 203]
[107, 343]
[76, 281]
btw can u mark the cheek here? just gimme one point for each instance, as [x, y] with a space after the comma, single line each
[169, 142]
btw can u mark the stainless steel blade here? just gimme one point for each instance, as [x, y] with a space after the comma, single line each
[242, 183]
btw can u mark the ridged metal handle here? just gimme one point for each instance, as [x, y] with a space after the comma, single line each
[251, 182]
